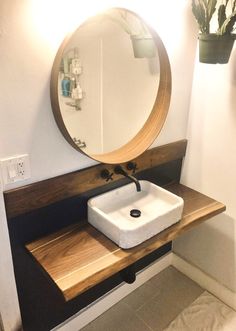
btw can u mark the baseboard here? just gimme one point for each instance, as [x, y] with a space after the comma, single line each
[205, 281]
[98, 307]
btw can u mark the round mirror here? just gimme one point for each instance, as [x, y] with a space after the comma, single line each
[111, 86]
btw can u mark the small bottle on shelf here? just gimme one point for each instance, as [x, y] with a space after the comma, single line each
[65, 86]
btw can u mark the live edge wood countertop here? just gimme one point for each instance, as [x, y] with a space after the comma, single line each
[79, 257]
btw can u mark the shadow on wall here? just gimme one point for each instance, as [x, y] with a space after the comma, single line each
[233, 79]
[233, 71]
[17, 328]
[211, 247]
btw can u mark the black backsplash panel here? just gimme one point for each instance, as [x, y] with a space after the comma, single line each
[42, 305]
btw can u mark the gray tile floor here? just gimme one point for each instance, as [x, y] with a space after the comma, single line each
[152, 306]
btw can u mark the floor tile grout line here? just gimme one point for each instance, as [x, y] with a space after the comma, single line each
[137, 316]
[144, 322]
[146, 303]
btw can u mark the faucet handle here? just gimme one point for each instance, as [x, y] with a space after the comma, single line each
[106, 174]
[119, 170]
[132, 166]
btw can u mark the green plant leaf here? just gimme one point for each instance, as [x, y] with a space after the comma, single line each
[200, 12]
[211, 8]
[228, 25]
[204, 3]
[233, 5]
[226, 3]
[221, 15]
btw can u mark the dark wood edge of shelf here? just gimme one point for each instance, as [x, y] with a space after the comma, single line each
[197, 209]
[41, 194]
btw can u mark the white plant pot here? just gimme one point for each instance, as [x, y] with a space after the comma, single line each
[143, 46]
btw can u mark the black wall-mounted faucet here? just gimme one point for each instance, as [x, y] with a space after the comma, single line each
[120, 171]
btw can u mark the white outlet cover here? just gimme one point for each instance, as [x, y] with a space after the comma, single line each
[15, 168]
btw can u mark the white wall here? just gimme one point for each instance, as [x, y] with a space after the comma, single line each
[210, 168]
[30, 34]
[1, 327]
[9, 310]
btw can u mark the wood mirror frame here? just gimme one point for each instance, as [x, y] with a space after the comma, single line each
[151, 128]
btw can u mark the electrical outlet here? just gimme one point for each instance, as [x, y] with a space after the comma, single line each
[20, 163]
[15, 168]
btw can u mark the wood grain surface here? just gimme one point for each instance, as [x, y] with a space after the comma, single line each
[41, 194]
[79, 257]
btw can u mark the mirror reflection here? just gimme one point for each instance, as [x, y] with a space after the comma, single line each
[107, 81]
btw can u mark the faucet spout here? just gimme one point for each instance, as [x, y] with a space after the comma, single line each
[120, 171]
[136, 182]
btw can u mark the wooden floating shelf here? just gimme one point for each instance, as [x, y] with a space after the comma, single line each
[79, 257]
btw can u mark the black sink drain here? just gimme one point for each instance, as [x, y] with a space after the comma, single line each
[135, 213]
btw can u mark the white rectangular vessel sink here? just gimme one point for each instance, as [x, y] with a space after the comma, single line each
[111, 213]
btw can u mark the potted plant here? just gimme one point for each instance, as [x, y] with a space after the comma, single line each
[215, 47]
[142, 41]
